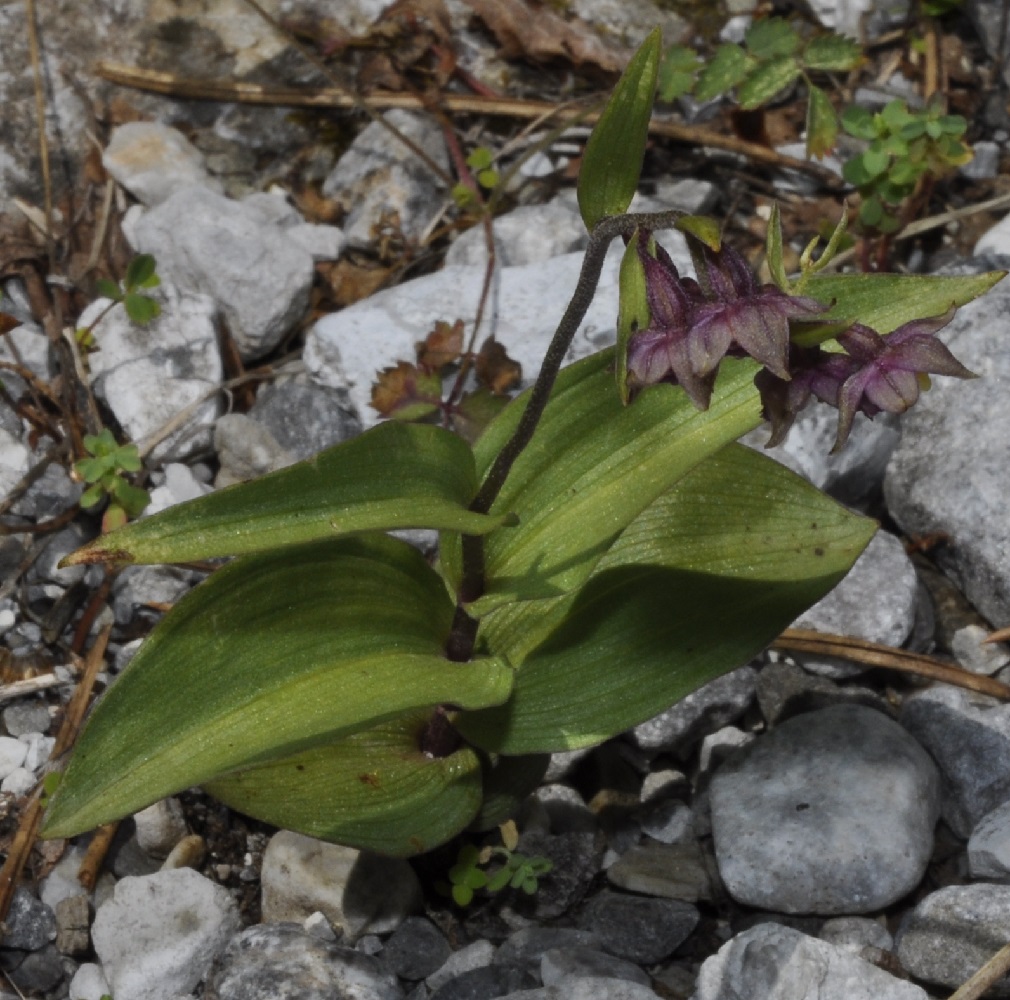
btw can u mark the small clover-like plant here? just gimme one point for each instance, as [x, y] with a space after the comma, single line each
[494, 868]
[906, 152]
[774, 55]
[605, 545]
[105, 471]
[141, 276]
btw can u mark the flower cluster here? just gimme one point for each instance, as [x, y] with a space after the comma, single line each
[694, 324]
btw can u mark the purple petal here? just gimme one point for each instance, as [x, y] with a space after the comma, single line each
[849, 399]
[861, 343]
[891, 390]
[921, 352]
[649, 356]
[669, 303]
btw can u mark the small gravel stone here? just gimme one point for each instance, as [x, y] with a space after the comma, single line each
[588, 988]
[279, 961]
[712, 706]
[26, 717]
[989, 846]
[788, 840]
[30, 923]
[472, 956]
[160, 827]
[416, 949]
[526, 947]
[525, 235]
[12, 754]
[772, 962]
[973, 653]
[159, 933]
[666, 820]
[576, 859]
[302, 417]
[637, 928]
[482, 984]
[356, 891]
[952, 932]
[559, 964]
[856, 933]
[89, 983]
[39, 971]
[672, 871]
[968, 735]
[19, 782]
[72, 925]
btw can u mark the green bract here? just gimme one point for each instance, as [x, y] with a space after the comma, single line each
[602, 554]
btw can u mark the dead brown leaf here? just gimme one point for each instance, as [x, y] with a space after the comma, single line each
[441, 347]
[533, 31]
[350, 282]
[495, 369]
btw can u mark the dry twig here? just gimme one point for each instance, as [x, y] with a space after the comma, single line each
[873, 654]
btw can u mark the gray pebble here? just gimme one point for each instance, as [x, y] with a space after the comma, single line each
[638, 928]
[416, 949]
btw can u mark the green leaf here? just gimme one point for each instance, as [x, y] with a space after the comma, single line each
[140, 270]
[698, 584]
[392, 476]
[141, 308]
[855, 173]
[858, 122]
[92, 496]
[92, 469]
[374, 790]
[592, 467]
[875, 161]
[767, 81]
[632, 309]
[273, 655]
[132, 499]
[771, 37]
[462, 895]
[701, 227]
[480, 158]
[612, 162]
[773, 248]
[832, 53]
[108, 289]
[871, 212]
[499, 880]
[895, 115]
[822, 123]
[724, 71]
[677, 72]
[886, 301]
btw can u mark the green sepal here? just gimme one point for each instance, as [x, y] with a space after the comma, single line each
[272, 655]
[696, 586]
[632, 310]
[374, 790]
[703, 228]
[612, 161]
[392, 476]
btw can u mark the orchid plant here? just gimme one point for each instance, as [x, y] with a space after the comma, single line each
[605, 548]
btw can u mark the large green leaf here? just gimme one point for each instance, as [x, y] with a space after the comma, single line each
[374, 790]
[393, 476]
[886, 301]
[699, 583]
[612, 162]
[272, 655]
[592, 467]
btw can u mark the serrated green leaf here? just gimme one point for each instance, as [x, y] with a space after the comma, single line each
[373, 790]
[612, 162]
[141, 308]
[392, 476]
[739, 539]
[632, 309]
[139, 270]
[108, 289]
[822, 123]
[677, 72]
[272, 656]
[766, 81]
[723, 72]
[592, 467]
[771, 37]
[832, 53]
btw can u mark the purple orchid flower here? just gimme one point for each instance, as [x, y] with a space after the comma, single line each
[695, 324]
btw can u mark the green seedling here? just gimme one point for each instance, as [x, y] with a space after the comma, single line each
[141, 308]
[605, 547]
[492, 869]
[906, 152]
[773, 57]
[105, 471]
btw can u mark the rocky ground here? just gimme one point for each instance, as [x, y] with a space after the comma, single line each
[804, 828]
